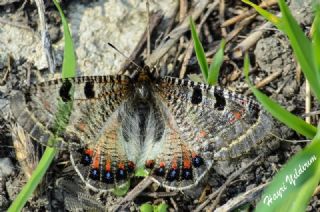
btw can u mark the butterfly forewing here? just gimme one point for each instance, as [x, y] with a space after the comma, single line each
[94, 100]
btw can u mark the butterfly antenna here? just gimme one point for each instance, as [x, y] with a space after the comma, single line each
[125, 56]
[148, 29]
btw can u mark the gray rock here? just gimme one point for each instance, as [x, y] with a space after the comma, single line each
[121, 23]
[302, 11]
[273, 53]
[6, 167]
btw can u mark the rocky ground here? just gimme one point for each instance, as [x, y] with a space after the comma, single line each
[124, 23]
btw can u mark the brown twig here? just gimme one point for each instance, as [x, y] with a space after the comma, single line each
[230, 179]
[133, 194]
[308, 102]
[190, 46]
[248, 42]
[266, 80]
[175, 34]
[246, 197]
[219, 192]
[248, 13]
[158, 195]
[313, 113]
[15, 24]
[232, 34]
[221, 17]
[174, 204]
[205, 203]
[154, 21]
[45, 37]
[9, 68]
[148, 29]
[183, 8]
[238, 29]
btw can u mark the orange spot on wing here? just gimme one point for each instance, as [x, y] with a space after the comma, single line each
[81, 126]
[47, 105]
[96, 161]
[237, 115]
[202, 133]
[187, 156]
[108, 166]
[131, 165]
[186, 164]
[174, 164]
[121, 165]
[89, 152]
[149, 163]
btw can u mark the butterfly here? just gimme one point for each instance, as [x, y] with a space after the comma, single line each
[175, 128]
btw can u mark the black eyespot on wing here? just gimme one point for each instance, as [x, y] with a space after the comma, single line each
[160, 171]
[89, 90]
[196, 97]
[94, 174]
[197, 161]
[173, 174]
[86, 159]
[149, 164]
[131, 166]
[108, 177]
[121, 174]
[64, 91]
[220, 100]
[187, 174]
[27, 96]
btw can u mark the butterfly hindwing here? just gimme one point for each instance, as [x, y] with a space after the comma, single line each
[104, 164]
[203, 124]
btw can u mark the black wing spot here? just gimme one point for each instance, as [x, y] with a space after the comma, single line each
[27, 96]
[65, 91]
[89, 90]
[196, 97]
[220, 100]
[187, 174]
[108, 177]
[94, 174]
[173, 174]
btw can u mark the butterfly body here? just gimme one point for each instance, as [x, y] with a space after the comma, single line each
[174, 128]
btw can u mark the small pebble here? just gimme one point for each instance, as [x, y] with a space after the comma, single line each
[6, 167]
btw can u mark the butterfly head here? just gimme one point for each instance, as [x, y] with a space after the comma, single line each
[143, 81]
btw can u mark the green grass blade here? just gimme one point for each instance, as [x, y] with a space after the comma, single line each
[146, 207]
[292, 188]
[141, 172]
[300, 43]
[216, 64]
[277, 111]
[69, 58]
[162, 207]
[316, 41]
[34, 180]
[61, 119]
[201, 57]
[123, 190]
[269, 16]
[302, 48]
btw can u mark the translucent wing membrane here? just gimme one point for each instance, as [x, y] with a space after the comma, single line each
[94, 100]
[175, 128]
[205, 123]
